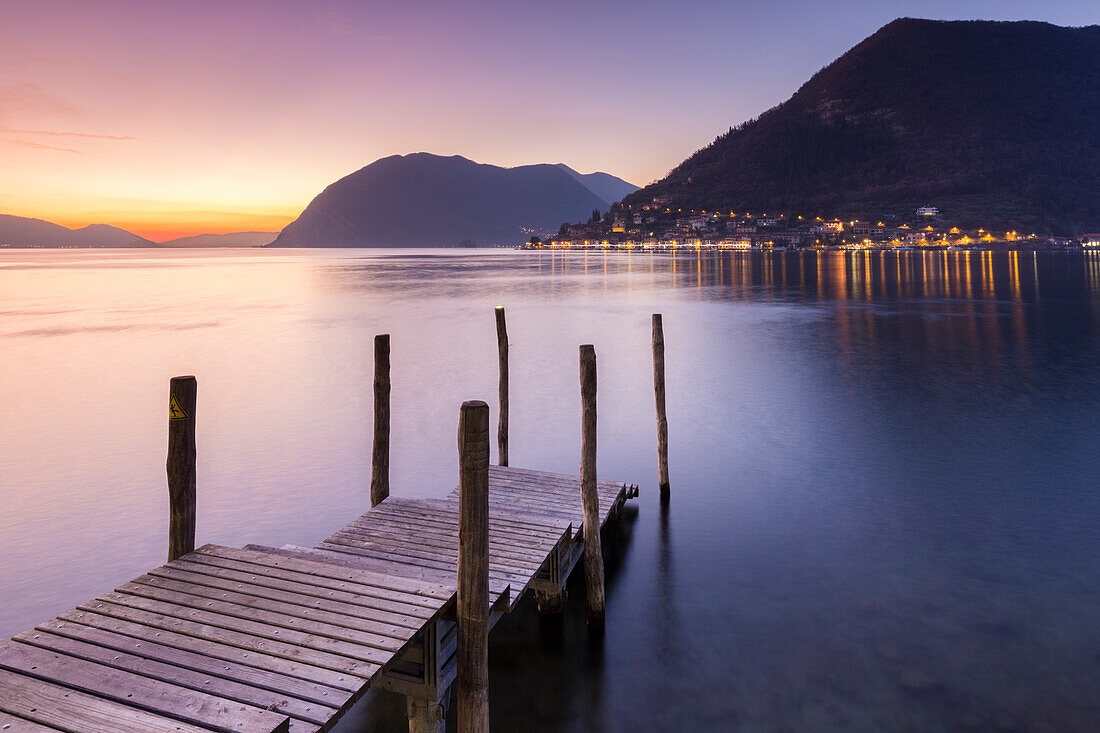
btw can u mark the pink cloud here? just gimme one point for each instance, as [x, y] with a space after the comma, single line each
[32, 98]
[13, 131]
[38, 146]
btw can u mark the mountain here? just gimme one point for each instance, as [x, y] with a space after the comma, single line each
[995, 123]
[606, 186]
[429, 200]
[233, 239]
[18, 231]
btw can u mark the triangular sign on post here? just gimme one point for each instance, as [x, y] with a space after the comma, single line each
[175, 411]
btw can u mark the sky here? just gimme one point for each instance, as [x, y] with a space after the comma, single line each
[177, 118]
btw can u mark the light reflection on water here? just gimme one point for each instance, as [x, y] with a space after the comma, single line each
[884, 511]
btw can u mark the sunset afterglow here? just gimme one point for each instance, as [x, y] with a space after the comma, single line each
[170, 119]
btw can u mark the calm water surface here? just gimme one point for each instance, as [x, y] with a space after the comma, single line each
[884, 466]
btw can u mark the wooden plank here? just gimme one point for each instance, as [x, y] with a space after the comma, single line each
[498, 586]
[498, 472]
[508, 497]
[533, 551]
[546, 495]
[572, 517]
[562, 487]
[344, 560]
[77, 712]
[418, 545]
[446, 506]
[559, 496]
[397, 555]
[144, 628]
[274, 613]
[362, 612]
[232, 570]
[257, 623]
[213, 684]
[551, 495]
[503, 527]
[527, 557]
[11, 724]
[524, 562]
[167, 700]
[557, 511]
[521, 553]
[504, 567]
[501, 535]
[557, 492]
[403, 585]
[508, 500]
[552, 490]
[446, 510]
[506, 523]
[249, 642]
[279, 676]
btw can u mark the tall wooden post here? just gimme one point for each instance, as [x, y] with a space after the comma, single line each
[181, 466]
[590, 500]
[659, 396]
[380, 459]
[502, 351]
[473, 568]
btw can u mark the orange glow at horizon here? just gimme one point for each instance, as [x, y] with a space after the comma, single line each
[111, 112]
[158, 226]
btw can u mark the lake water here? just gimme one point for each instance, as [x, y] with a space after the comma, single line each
[885, 507]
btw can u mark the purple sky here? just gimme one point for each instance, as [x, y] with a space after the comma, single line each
[175, 117]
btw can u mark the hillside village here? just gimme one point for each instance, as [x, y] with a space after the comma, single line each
[655, 225]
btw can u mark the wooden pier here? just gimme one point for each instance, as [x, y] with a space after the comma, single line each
[287, 639]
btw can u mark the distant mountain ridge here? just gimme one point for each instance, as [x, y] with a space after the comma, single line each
[423, 200]
[232, 239]
[20, 231]
[606, 186]
[995, 123]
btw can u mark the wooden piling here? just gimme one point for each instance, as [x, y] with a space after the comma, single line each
[380, 458]
[659, 396]
[502, 352]
[593, 552]
[473, 569]
[181, 466]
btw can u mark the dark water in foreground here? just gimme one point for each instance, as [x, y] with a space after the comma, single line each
[886, 485]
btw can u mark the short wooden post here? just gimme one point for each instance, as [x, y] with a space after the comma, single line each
[473, 568]
[181, 466]
[502, 352]
[380, 459]
[593, 552]
[659, 395]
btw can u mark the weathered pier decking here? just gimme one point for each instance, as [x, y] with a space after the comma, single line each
[287, 639]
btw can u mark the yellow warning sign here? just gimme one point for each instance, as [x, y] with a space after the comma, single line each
[175, 411]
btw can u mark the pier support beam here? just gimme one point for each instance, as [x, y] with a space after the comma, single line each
[473, 569]
[659, 397]
[380, 457]
[550, 601]
[425, 716]
[593, 552]
[502, 352]
[181, 466]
